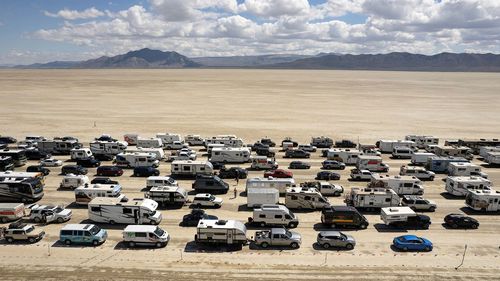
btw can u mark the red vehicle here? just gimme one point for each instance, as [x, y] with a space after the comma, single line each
[110, 171]
[278, 173]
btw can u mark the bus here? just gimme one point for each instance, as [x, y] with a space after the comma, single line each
[18, 156]
[21, 188]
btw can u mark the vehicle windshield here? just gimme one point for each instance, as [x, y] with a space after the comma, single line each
[343, 236]
[94, 230]
[211, 198]
[58, 210]
[288, 234]
[159, 232]
[291, 214]
[30, 229]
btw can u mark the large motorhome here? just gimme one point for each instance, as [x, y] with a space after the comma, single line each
[421, 158]
[281, 184]
[229, 140]
[17, 155]
[194, 140]
[421, 141]
[483, 200]
[107, 149]
[492, 158]
[159, 152]
[137, 159]
[167, 195]
[483, 151]
[230, 232]
[456, 151]
[80, 153]
[134, 211]
[371, 163]
[476, 144]
[191, 168]
[58, 147]
[305, 198]
[440, 164]
[402, 185]
[230, 154]
[263, 163]
[460, 186]
[168, 138]
[465, 169]
[348, 156]
[21, 187]
[372, 198]
[387, 146]
[85, 193]
[149, 142]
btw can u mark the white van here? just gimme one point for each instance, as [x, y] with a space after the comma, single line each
[160, 181]
[263, 163]
[145, 235]
[402, 152]
[420, 158]
[273, 214]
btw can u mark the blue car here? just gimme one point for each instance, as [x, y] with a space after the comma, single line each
[412, 243]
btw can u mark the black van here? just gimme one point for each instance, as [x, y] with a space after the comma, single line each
[210, 184]
[343, 216]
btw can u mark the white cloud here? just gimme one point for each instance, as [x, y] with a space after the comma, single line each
[74, 14]
[275, 8]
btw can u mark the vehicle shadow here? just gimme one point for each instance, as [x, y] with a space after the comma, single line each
[449, 196]
[394, 249]
[253, 246]
[124, 246]
[244, 208]
[471, 212]
[356, 180]
[318, 247]
[322, 227]
[193, 247]
[380, 227]
[60, 244]
[73, 205]
[116, 226]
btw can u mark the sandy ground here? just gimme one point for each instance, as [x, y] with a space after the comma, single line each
[252, 104]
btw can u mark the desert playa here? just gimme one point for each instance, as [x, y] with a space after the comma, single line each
[252, 104]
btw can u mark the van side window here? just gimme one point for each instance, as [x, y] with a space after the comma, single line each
[127, 211]
[140, 234]
[262, 216]
[79, 233]
[66, 232]
[95, 209]
[278, 216]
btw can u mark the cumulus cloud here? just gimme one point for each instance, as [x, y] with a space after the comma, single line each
[74, 14]
[275, 8]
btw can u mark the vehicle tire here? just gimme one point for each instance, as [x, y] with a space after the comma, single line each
[10, 239]
[111, 222]
[3, 220]
[333, 225]
[294, 245]
[95, 243]
[405, 249]
[474, 226]
[326, 246]
[216, 206]
[349, 246]
[363, 226]
[263, 224]
[67, 242]
[36, 220]
[426, 226]
[431, 179]
[24, 200]
[337, 194]
[198, 205]
[454, 225]
[60, 220]
[292, 225]
[264, 245]
[432, 209]
[427, 249]
[31, 240]
[131, 244]
[159, 245]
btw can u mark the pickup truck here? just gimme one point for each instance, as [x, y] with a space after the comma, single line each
[361, 175]
[277, 237]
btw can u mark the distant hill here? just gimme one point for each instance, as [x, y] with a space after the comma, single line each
[247, 61]
[398, 61]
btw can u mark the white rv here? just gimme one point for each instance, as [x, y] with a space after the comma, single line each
[460, 186]
[131, 139]
[421, 140]
[168, 138]
[134, 211]
[402, 185]
[159, 152]
[74, 181]
[263, 163]
[167, 195]
[483, 150]
[420, 158]
[305, 198]
[372, 198]
[160, 181]
[483, 200]
[456, 151]
[80, 153]
[230, 232]
[273, 214]
[231, 141]
[194, 140]
[149, 143]
[191, 168]
[371, 163]
[211, 146]
[402, 152]
[281, 184]
[492, 158]
[57, 146]
[107, 149]
[230, 154]
[137, 159]
[348, 156]
[261, 196]
[465, 169]
[84, 194]
[387, 146]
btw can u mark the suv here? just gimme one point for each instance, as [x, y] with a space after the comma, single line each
[361, 175]
[268, 141]
[332, 165]
[337, 239]
[265, 152]
[206, 200]
[49, 213]
[22, 232]
[210, 184]
[419, 172]
[345, 144]
[8, 140]
[38, 169]
[460, 221]
[103, 181]
[195, 216]
[146, 171]
[326, 175]
[73, 169]
[299, 165]
[232, 172]
[297, 153]
[259, 145]
[89, 162]
[418, 203]
[111, 171]
[35, 154]
[343, 216]
[278, 173]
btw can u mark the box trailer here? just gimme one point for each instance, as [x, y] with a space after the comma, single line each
[421, 158]
[371, 163]
[191, 168]
[404, 217]
[11, 212]
[280, 184]
[372, 198]
[131, 139]
[257, 197]
[149, 143]
[386, 146]
[230, 155]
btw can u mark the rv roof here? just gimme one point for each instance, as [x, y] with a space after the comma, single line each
[398, 211]
[221, 224]
[166, 188]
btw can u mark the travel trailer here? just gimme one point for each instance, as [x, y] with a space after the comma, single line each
[485, 149]
[420, 158]
[58, 147]
[322, 142]
[194, 140]
[387, 146]
[305, 198]
[230, 154]
[84, 194]
[262, 196]
[160, 181]
[21, 187]
[402, 185]
[421, 141]
[80, 153]
[492, 158]
[403, 152]
[273, 214]
[106, 150]
[440, 164]
[229, 232]
[404, 217]
[71, 181]
[134, 211]
[372, 198]
[465, 169]
[191, 168]
[263, 163]
[131, 139]
[167, 195]
[483, 200]
[371, 163]
[168, 138]
[281, 184]
[460, 186]
[229, 140]
[158, 152]
[11, 212]
[455, 151]
[149, 143]
[136, 159]
[348, 156]
[476, 144]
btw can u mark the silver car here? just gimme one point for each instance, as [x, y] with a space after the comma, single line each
[337, 239]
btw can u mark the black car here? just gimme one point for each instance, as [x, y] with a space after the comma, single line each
[345, 144]
[218, 165]
[38, 169]
[145, 171]
[73, 169]
[232, 172]
[105, 138]
[102, 180]
[259, 145]
[297, 153]
[326, 175]
[89, 162]
[265, 152]
[66, 138]
[195, 216]
[460, 221]
[35, 154]
[8, 140]
[299, 165]
[210, 184]
[268, 141]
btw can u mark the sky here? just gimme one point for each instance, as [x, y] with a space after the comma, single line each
[48, 30]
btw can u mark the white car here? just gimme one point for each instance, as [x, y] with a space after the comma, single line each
[207, 200]
[308, 147]
[418, 203]
[176, 145]
[49, 213]
[330, 189]
[51, 162]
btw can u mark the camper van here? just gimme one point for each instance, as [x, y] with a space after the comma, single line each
[281, 184]
[58, 147]
[131, 139]
[262, 196]
[230, 154]
[483, 200]
[168, 138]
[460, 186]
[440, 164]
[387, 146]
[167, 195]
[402, 152]
[371, 163]
[305, 198]
[106, 150]
[80, 154]
[158, 152]
[455, 151]
[229, 232]
[145, 235]
[84, 194]
[263, 163]
[71, 181]
[402, 185]
[160, 181]
[191, 168]
[372, 198]
[149, 143]
[343, 216]
[421, 140]
[420, 158]
[273, 214]
[194, 140]
[82, 234]
[492, 158]
[465, 169]
[348, 156]
[134, 211]
[137, 159]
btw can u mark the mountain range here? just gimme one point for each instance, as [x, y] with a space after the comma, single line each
[398, 61]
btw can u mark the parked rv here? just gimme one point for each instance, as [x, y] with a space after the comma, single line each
[421, 158]
[305, 198]
[131, 139]
[158, 152]
[21, 187]
[18, 156]
[440, 164]
[387, 146]
[422, 140]
[402, 185]
[257, 197]
[280, 184]
[419, 172]
[82, 234]
[371, 198]
[169, 138]
[71, 181]
[263, 163]
[80, 153]
[349, 156]
[230, 155]
[194, 140]
[167, 195]
[404, 217]
[460, 186]
[476, 144]
[226, 140]
[149, 142]
[134, 211]
[277, 237]
[483, 150]
[343, 216]
[371, 163]
[465, 169]
[492, 158]
[455, 151]
[84, 194]
[11, 212]
[229, 232]
[274, 215]
[210, 184]
[137, 159]
[106, 150]
[191, 168]
[483, 200]
[147, 235]
[58, 147]
[322, 142]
